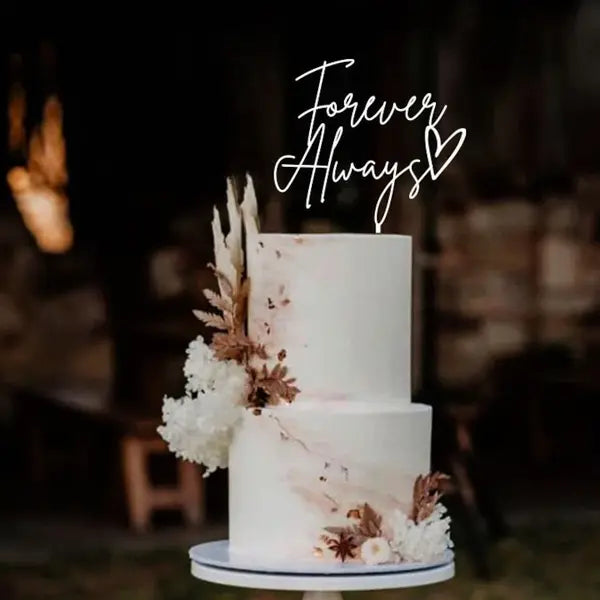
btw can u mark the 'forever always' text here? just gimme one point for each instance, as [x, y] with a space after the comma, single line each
[321, 144]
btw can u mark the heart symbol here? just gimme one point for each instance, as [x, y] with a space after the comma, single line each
[439, 147]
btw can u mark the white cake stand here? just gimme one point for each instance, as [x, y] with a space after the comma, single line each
[210, 562]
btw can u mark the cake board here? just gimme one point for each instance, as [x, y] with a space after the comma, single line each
[208, 563]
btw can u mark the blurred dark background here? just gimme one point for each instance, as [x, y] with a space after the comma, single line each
[157, 113]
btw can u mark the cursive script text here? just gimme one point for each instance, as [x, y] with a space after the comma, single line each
[319, 136]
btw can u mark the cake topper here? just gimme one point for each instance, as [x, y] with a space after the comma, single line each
[373, 110]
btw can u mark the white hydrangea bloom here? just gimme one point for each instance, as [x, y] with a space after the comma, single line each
[375, 551]
[204, 372]
[424, 541]
[199, 426]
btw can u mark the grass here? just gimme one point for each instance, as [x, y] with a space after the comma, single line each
[550, 561]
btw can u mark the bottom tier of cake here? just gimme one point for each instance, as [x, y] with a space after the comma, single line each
[317, 481]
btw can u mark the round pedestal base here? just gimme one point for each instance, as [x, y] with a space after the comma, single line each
[315, 584]
[322, 583]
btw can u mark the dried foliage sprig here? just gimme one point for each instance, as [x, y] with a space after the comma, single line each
[230, 301]
[231, 341]
[404, 537]
[427, 491]
[274, 383]
[370, 522]
[368, 526]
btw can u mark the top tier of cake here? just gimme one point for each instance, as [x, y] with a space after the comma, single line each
[340, 306]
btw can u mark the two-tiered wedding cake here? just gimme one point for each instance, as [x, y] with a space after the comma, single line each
[304, 393]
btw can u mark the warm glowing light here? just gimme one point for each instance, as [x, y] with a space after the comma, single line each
[44, 212]
[16, 119]
[38, 188]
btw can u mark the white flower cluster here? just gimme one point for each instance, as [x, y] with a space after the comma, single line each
[409, 541]
[199, 426]
[424, 541]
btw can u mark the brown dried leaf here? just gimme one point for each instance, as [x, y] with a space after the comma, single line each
[231, 346]
[275, 384]
[211, 319]
[220, 303]
[427, 491]
[370, 522]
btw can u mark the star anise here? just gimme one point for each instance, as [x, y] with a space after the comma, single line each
[343, 547]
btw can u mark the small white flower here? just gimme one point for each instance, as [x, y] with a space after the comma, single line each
[375, 551]
[199, 426]
[424, 541]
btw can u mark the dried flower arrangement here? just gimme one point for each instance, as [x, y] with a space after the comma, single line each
[267, 386]
[231, 373]
[421, 537]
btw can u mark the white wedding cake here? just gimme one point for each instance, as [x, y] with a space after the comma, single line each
[304, 394]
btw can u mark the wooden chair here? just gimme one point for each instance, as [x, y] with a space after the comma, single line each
[143, 497]
[39, 411]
